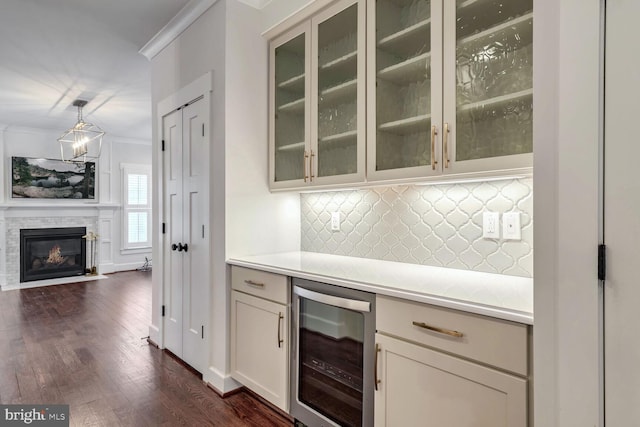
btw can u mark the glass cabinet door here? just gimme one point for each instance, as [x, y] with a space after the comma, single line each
[290, 107]
[338, 85]
[493, 98]
[404, 63]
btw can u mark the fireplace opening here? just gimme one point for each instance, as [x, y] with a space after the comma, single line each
[49, 253]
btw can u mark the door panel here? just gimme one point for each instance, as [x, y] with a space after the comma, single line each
[622, 219]
[172, 134]
[196, 258]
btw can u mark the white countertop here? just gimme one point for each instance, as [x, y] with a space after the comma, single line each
[495, 295]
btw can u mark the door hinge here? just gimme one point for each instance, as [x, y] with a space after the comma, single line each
[203, 231]
[163, 311]
[602, 262]
[164, 228]
[203, 129]
[163, 145]
[202, 331]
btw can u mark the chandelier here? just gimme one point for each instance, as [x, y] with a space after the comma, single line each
[83, 141]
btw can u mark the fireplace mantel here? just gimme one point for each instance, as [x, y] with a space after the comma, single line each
[14, 215]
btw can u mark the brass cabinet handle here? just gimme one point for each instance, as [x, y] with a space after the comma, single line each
[434, 132]
[252, 283]
[439, 330]
[304, 163]
[311, 165]
[445, 137]
[280, 340]
[376, 381]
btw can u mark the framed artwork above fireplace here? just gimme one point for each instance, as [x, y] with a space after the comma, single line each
[33, 178]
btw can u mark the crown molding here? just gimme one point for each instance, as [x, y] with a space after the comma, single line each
[187, 15]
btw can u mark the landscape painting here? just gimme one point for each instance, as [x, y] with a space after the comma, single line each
[52, 179]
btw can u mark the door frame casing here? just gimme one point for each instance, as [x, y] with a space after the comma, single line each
[202, 87]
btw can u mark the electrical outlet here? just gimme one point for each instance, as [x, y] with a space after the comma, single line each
[490, 225]
[511, 226]
[335, 221]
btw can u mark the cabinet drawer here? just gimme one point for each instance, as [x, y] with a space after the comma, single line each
[492, 341]
[270, 286]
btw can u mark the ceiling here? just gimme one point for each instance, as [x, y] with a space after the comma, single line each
[55, 51]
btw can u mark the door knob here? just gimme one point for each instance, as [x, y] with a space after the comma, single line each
[174, 247]
[182, 247]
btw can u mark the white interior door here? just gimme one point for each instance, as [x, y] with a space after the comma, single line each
[186, 246]
[194, 216]
[622, 216]
[172, 266]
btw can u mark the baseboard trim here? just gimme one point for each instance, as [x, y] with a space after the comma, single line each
[222, 384]
[154, 336]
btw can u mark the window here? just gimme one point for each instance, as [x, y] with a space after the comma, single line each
[136, 219]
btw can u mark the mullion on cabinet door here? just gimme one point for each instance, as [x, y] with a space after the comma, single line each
[289, 119]
[338, 90]
[490, 90]
[405, 87]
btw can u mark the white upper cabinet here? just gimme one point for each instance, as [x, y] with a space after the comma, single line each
[450, 87]
[318, 100]
[405, 88]
[488, 85]
[448, 92]
[289, 94]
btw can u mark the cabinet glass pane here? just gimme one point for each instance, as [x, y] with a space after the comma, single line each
[290, 109]
[403, 83]
[337, 93]
[494, 76]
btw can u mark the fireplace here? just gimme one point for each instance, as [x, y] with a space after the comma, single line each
[49, 253]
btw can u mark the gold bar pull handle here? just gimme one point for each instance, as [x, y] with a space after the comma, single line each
[376, 381]
[439, 330]
[311, 165]
[445, 137]
[256, 284]
[434, 132]
[304, 163]
[280, 340]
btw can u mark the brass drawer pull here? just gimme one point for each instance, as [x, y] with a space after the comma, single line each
[252, 283]
[280, 340]
[445, 136]
[439, 330]
[434, 132]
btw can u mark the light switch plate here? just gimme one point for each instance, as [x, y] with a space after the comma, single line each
[491, 225]
[335, 221]
[511, 226]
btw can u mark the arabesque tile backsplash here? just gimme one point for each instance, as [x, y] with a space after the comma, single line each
[438, 225]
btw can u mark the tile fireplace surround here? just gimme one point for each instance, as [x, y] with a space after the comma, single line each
[15, 216]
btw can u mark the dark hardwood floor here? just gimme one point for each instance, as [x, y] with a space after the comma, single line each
[82, 344]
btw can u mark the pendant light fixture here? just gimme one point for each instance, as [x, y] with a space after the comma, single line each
[82, 142]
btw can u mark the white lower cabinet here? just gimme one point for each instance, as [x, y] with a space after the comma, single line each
[419, 384]
[260, 335]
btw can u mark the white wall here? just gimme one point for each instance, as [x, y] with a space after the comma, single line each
[198, 50]
[566, 81]
[257, 221]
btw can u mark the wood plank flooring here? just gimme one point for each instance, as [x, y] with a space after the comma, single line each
[82, 344]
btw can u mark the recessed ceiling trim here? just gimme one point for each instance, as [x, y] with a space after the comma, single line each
[257, 4]
[187, 15]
